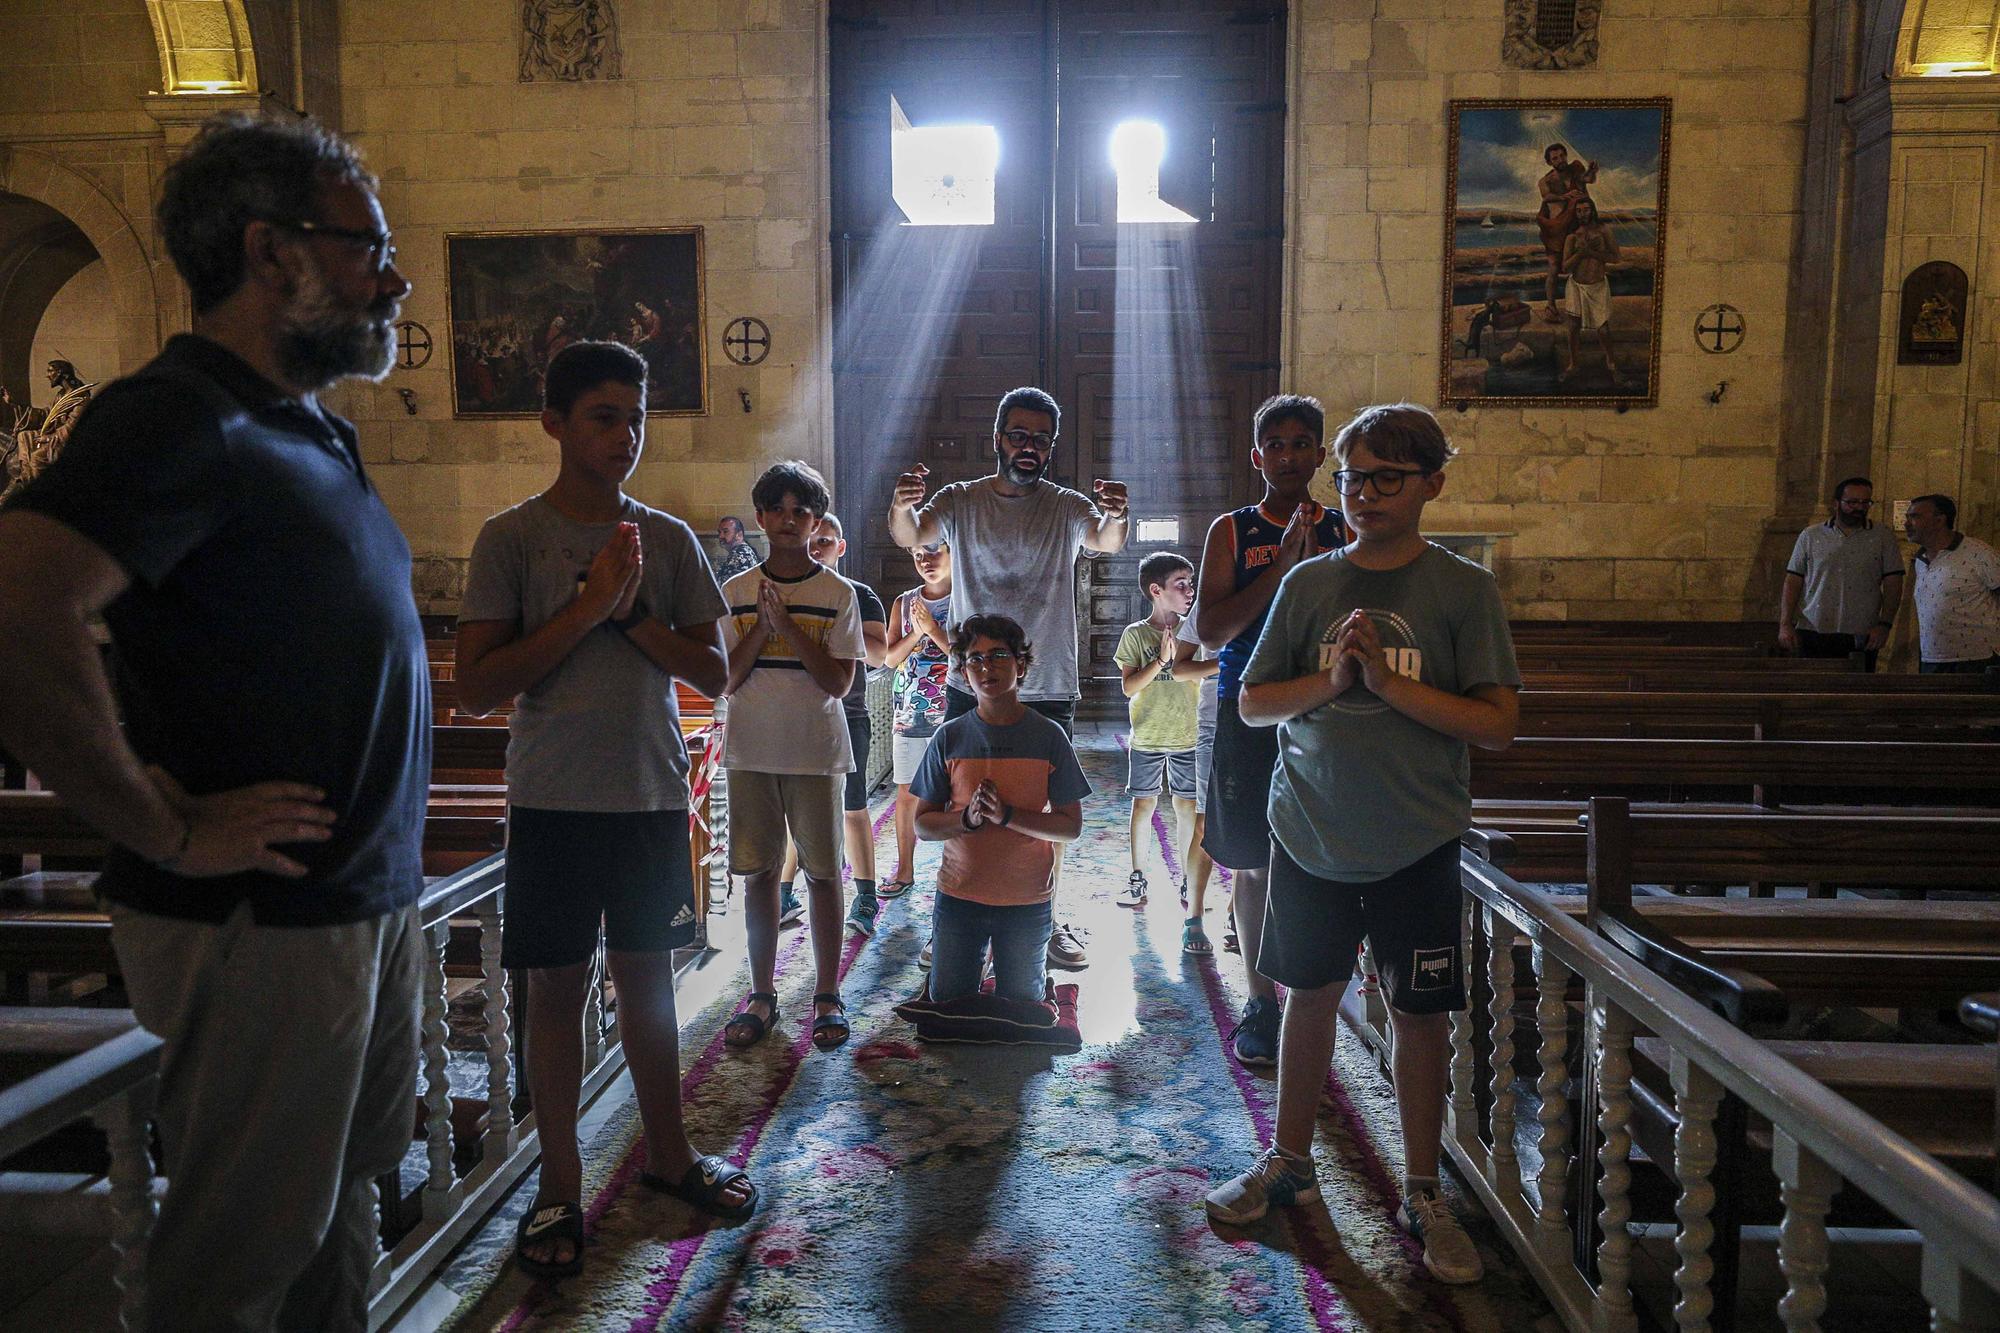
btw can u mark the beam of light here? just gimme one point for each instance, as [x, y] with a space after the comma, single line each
[898, 317]
[942, 175]
[1137, 149]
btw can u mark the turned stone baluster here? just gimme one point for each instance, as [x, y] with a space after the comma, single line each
[500, 1138]
[1806, 1185]
[441, 1192]
[1500, 974]
[1463, 1108]
[1612, 1032]
[133, 1211]
[1697, 1095]
[1552, 1230]
[593, 1015]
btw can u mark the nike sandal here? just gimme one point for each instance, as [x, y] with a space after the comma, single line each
[703, 1186]
[556, 1223]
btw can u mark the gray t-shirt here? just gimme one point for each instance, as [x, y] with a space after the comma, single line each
[1360, 790]
[1843, 569]
[601, 732]
[1015, 556]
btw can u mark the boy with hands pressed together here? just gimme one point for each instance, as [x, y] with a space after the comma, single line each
[1380, 662]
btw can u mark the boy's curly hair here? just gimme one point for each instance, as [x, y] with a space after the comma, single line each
[1004, 629]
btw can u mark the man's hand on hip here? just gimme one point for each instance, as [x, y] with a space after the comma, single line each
[233, 831]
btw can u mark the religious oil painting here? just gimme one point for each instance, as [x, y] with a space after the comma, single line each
[518, 298]
[1555, 219]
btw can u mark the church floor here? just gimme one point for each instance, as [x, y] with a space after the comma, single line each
[908, 1187]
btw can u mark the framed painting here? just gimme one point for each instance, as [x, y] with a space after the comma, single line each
[1555, 228]
[518, 298]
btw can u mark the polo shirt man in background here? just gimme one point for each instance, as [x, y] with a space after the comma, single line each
[1843, 582]
[1957, 592]
[265, 794]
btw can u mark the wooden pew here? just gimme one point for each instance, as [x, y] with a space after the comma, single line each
[1553, 766]
[1802, 678]
[1759, 716]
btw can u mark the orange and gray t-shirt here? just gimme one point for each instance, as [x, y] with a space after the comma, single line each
[1032, 764]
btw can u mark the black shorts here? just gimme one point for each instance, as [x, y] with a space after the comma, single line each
[1313, 927]
[1062, 712]
[1238, 835]
[855, 797]
[568, 870]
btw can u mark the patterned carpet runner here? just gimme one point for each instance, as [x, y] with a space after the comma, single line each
[1003, 1187]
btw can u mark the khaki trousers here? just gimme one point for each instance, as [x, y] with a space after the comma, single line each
[288, 1083]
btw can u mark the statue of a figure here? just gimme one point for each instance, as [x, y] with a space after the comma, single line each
[35, 436]
[569, 40]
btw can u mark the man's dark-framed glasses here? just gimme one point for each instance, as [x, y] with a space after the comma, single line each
[381, 245]
[1388, 480]
[1021, 439]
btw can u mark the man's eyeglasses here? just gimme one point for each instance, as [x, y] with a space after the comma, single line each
[1020, 439]
[994, 656]
[381, 245]
[1388, 480]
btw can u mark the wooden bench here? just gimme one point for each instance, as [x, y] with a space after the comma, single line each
[1802, 678]
[1759, 716]
[1553, 766]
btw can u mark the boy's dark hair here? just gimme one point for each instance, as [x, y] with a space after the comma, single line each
[1159, 567]
[242, 169]
[1841, 489]
[582, 366]
[794, 477]
[1003, 628]
[1033, 400]
[1399, 433]
[1946, 507]
[1280, 408]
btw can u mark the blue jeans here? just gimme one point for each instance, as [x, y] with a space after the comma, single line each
[960, 929]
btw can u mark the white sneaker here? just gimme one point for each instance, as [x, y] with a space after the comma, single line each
[1066, 950]
[1134, 894]
[1448, 1252]
[924, 958]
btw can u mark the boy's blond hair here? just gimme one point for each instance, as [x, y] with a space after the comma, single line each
[1398, 433]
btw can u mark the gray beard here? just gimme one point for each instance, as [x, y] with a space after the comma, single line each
[1019, 478]
[321, 342]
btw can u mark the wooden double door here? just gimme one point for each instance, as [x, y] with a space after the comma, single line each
[1158, 339]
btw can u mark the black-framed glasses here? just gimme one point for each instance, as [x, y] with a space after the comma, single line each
[995, 656]
[1388, 480]
[381, 245]
[1021, 439]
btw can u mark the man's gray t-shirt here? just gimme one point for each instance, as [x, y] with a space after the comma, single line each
[1843, 569]
[1360, 790]
[602, 731]
[1015, 556]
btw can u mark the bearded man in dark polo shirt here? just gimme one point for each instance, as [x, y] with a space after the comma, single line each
[265, 794]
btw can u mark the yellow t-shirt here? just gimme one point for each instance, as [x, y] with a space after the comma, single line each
[1164, 713]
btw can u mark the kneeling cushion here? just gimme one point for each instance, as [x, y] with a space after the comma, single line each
[987, 1019]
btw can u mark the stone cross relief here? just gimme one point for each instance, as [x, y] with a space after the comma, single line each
[569, 41]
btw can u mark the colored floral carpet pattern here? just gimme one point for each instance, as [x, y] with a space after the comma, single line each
[907, 1187]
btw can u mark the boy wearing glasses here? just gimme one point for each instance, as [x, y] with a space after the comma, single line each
[1001, 789]
[1379, 664]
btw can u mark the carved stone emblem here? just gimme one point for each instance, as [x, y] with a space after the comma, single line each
[569, 41]
[1550, 34]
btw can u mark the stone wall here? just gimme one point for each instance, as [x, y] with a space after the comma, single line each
[718, 122]
[80, 326]
[1652, 513]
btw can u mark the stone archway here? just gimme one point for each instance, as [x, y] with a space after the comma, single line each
[206, 46]
[135, 295]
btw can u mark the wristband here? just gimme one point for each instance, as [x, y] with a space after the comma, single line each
[1006, 815]
[631, 622]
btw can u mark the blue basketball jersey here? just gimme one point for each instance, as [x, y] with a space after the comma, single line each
[1256, 536]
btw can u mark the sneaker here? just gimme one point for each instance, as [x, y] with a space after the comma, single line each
[1066, 950]
[861, 916]
[1277, 1178]
[1135, 890]
[1448, 1252]
[790, 908]
[924, 958]
[1256, 1039]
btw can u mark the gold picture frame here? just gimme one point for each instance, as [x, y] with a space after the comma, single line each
[1545, 301]
[516, 298]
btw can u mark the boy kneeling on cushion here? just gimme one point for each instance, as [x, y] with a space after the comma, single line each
[1001, 789]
